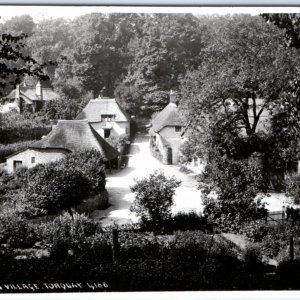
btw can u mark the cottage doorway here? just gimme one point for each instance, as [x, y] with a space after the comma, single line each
[169, 156]
[17, 164]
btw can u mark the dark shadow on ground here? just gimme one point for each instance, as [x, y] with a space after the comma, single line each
[120, 173]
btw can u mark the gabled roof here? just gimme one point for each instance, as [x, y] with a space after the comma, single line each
[97, 107]
[76, 135]
[169, 116]
[29, 94]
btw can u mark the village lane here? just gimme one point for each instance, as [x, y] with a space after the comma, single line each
[140, 164]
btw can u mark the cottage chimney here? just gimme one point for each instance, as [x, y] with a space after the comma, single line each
[17, 94]
[173, 98]
[38, 90]
[53, 123]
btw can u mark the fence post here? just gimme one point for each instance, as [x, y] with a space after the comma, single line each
[283, 214]
[291, 247]
[115, 245]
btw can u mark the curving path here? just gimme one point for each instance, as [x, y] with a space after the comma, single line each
[140, 164]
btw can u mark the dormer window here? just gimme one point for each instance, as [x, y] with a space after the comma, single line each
[107, 118]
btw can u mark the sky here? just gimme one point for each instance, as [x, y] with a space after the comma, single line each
[44, 12]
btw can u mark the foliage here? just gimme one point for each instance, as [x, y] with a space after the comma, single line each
[16, 128]
[154, 198]
[90, 164]
[63, 109]
[16, 232]
[224, 99]
[12, 55]
[168, 46]
[291, 25]
[282, 144]
[255, 231]
[69, 231]
[52, 186]
[236, 184]
[293, 188]
[184, 221]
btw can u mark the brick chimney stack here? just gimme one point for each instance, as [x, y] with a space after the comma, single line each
[38, 90]
[17, 95]
[173, 98]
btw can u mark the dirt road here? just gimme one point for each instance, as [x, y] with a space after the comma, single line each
[140, 164]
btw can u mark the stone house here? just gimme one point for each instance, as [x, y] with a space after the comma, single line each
[166, 132]
[26, 97]
[67, 136]
[107, 117]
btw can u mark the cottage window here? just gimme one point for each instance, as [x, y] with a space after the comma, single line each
[106, 133]
[32, 159]
[177, 128]
[107, 118]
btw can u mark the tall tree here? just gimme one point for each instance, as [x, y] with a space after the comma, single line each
[168, 46]
[100, 55]
[11, 54]
[244, 63]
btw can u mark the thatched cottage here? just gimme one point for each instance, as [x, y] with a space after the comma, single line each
[67, 136]
[26, 97]
[166, 132]
[107, 117]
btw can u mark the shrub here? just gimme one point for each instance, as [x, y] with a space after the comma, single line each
[90, 164]
[69, 231]
[255, 231]
[292, 185]
[61, 184]
[16, 232]
[186, 221]
[253, 256]
[154, 198]
[236, 184]
[15, 127]
[52, 187]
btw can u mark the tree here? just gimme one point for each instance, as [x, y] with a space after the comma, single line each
[100, 55]
[168, 46]
[244, 63]
[51, 38]
[19, 24]
[154, 199]
[290, 23]
[11, 55]
[236, 184]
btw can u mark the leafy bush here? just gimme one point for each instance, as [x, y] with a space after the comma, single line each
[255, 231]
[90, 164]
[68, 232]
[292, 185]
[154, 198]
[52, 187]
[236, 184]
[15, 127]
[253, 256]
[186, 221]
[63, 109]
[16, 232]
[8, 149]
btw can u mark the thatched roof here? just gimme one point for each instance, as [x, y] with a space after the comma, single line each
[169, 116]
[76, 135]
[29, 94]
[97, 107]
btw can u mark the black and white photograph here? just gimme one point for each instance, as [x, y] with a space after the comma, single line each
[149, 149]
